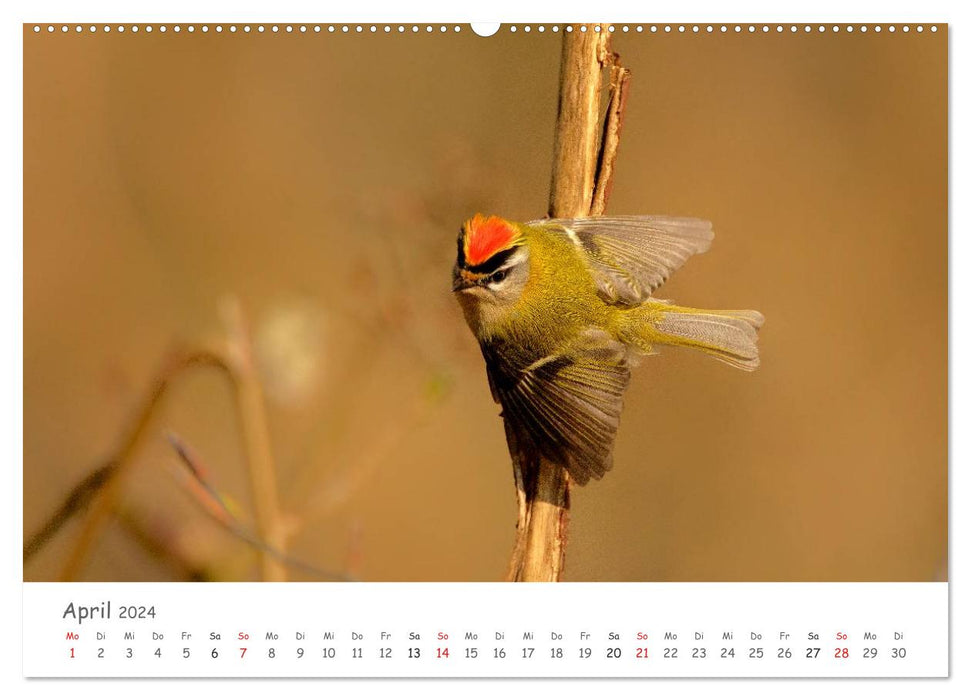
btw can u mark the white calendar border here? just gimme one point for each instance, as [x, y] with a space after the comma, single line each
[11, 279]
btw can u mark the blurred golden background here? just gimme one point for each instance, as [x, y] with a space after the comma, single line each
[320, 180]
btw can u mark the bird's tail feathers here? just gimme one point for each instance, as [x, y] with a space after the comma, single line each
[728, 335]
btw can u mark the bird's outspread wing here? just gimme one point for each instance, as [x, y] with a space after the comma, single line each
[631, 256]
[566, 406]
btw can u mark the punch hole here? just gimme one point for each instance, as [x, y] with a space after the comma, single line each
[485, 29]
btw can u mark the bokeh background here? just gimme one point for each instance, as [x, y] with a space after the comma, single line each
[320, 180]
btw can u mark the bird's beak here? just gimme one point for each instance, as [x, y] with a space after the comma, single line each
[461, 280]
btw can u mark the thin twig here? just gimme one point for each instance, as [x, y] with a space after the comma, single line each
[214, 505]
[613, 123]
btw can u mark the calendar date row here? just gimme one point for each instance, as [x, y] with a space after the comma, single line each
[497, 653]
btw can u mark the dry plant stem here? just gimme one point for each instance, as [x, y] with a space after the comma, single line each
[121, 461]
[581, 170]
[256, 442]
[576, 142]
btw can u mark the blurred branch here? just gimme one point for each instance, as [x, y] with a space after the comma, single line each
[214, 505]
[103, 492]
[368, 460]
[235, 361]
[76, 501]
[584, 154]
[256, 441]
[159, 549]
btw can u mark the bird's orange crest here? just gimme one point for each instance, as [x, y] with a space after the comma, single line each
[486, 236]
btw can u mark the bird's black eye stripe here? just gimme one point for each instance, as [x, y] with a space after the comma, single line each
[460, 258]
[493, 263]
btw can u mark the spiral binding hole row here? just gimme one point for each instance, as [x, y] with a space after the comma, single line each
[443, 29]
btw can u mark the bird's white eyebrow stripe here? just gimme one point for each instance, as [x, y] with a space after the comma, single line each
[514, 260]
[516, 257]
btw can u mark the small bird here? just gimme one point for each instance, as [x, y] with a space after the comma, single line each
[562, 308]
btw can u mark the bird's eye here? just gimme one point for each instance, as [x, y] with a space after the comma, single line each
[497, 276]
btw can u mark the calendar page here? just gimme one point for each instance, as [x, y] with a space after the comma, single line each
[387, 349]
